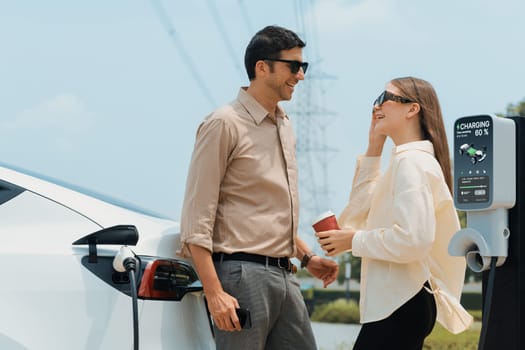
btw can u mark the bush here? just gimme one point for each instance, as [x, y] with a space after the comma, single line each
[469, 300]
[338, 311]
[324, 296]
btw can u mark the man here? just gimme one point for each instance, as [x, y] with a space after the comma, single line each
[240, 214]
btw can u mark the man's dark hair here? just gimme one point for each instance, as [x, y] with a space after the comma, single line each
[268, 43]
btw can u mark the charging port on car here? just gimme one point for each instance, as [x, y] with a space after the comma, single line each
[120, 277]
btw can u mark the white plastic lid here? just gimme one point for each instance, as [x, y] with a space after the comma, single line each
[323, 216]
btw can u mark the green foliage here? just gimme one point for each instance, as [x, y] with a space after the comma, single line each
[308, 294]
[469, 300]
[342, 311]
[441, 339]
[338, 311]
[462, 215]
[517, 109]
[324, 296]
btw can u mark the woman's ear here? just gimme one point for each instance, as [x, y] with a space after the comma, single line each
[414, 110]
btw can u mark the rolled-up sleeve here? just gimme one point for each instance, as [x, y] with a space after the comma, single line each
[208, 165]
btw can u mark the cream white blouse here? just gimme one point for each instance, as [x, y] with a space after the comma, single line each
[404, 221]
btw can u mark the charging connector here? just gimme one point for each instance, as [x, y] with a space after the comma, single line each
[126, 261]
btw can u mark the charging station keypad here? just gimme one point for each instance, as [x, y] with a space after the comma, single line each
[473, 162]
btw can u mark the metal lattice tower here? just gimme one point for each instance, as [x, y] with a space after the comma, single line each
[309, 115]
[311, 120]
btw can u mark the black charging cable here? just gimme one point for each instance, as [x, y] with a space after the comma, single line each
[488, 303]
[126, 261]
[131, 266]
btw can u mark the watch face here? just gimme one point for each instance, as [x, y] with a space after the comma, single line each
[306, 259]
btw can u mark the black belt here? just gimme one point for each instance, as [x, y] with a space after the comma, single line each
[282, 263]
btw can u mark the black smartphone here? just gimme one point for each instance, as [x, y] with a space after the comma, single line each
[245, 318]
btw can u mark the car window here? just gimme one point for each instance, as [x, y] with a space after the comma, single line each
[79, 189]
[8, 191]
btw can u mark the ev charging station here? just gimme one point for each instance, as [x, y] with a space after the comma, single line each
[488, 155]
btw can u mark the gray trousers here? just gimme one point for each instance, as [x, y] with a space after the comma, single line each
[278, 312]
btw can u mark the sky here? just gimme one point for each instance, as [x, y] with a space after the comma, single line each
[108, 95]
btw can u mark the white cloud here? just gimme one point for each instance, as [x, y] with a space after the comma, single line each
[66, 112]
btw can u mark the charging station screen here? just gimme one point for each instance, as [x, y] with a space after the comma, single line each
[473, 189]
[473, 138]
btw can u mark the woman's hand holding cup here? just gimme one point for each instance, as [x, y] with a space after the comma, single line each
[332, 239]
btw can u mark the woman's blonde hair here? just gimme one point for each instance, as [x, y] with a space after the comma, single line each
[431, 119]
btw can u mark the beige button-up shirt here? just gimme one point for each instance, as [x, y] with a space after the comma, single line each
[404, 221]
[241, 190]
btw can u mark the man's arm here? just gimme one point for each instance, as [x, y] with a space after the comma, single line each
[221, 305]
[321, 268]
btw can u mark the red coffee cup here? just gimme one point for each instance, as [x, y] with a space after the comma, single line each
[326, 221]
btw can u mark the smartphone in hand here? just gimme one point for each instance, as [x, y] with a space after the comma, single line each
[245, 318]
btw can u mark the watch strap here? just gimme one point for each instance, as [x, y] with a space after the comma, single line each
[306, 259]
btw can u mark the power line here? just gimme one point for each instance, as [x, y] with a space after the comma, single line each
[168, 25]
[233, 55]
[312, 119]
[245, 16]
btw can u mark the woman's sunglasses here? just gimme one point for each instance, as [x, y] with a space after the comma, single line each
[388, 96]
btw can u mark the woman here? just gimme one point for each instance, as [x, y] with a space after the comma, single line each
[400, 224]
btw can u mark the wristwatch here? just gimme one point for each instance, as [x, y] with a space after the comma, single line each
[306, 259]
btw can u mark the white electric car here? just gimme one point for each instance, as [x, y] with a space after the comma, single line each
[58, 285]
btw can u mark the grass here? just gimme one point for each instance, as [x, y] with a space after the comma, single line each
[341, 311]
[441, 339]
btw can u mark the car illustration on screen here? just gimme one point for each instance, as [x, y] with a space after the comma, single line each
[476, 155]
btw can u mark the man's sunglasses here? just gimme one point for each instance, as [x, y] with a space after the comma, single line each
[294, 65]
[388, 96]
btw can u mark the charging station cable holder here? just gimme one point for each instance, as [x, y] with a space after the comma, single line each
[479, 248]
[484, 187]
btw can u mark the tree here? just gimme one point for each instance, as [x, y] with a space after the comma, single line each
[517, 109]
